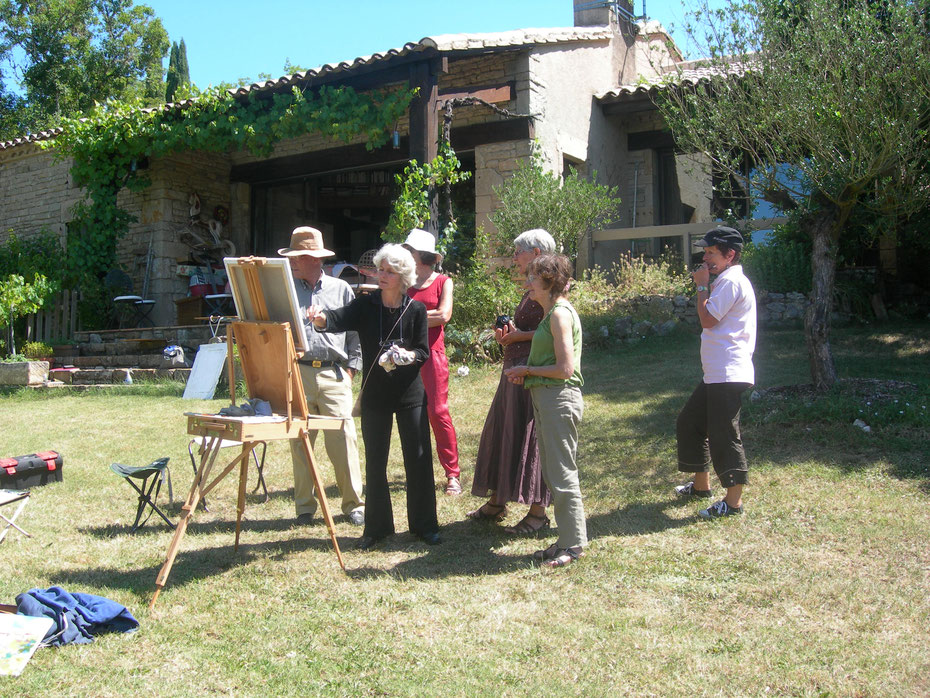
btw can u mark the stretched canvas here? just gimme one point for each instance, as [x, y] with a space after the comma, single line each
[263, 289]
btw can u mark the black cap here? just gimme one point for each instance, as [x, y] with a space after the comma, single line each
[722, 235]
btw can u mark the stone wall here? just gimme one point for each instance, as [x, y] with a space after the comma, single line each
[36, 192]
[659, 314]
[494, 163]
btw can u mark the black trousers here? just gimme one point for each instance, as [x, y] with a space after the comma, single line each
[708, 432]
[413, 428]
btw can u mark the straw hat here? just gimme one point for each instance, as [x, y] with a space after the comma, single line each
[422, 241]
[308, 241]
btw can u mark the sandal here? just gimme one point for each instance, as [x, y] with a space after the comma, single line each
[554, 556]
[529, 524]
[486, 512]
[453, 487]
[548, 554]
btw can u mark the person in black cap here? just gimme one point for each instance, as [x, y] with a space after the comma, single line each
[708, 425]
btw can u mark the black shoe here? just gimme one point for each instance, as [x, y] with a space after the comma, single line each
[367, 542]
[431, 538]
[689, 491]
[305, 519]
[719, 510]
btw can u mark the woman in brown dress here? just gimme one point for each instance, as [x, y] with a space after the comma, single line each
[507, 469]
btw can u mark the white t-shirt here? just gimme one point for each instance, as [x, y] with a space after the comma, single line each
[726, 348]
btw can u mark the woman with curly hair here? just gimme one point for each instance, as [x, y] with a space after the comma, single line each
[552, 374]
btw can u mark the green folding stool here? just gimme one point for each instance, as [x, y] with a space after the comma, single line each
[151, 476]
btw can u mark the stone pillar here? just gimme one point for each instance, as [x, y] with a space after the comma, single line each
[494, 163]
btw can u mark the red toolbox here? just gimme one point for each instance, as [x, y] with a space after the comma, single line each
[23, 472]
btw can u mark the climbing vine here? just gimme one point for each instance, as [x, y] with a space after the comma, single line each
[108, 146]
[415, 187]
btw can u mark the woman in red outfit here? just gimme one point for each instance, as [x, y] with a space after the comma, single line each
[434, 290]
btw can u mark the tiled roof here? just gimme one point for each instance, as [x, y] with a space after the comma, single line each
[31, 138]
[442, 43]
[445, 43]
[687, 74]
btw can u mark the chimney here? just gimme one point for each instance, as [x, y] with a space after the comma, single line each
[600, 13]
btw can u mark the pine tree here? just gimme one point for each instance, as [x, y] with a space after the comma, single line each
[184, 73]
[173, 80]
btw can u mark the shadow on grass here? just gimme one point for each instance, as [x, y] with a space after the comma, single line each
[639, 519]
[195, 565]
[469, 548]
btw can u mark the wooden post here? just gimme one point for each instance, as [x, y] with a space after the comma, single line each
[424, 123]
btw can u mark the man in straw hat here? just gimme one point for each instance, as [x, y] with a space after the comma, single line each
[326, 370]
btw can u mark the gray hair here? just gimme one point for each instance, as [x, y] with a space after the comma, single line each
[537, 238]
[400, 260]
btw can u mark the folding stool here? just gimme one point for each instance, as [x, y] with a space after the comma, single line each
[152, 476]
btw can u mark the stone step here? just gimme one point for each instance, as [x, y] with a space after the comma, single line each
[189, 335]
[117, 361]
[117, 376]
[117, 347]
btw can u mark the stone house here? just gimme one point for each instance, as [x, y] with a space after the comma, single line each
[577, 92]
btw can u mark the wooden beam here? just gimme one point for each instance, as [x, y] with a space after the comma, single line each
[489, 93]
[649, 140]
[350, 157]
[681, 229]
[633, 105]
[424, 120]
[467, 138]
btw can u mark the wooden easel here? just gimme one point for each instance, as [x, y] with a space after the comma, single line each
[269, 362]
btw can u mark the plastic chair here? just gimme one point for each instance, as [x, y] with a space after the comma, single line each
[200, 441]
[10, 497]
[151, 476]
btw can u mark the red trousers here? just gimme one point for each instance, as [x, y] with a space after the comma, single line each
[435, 375]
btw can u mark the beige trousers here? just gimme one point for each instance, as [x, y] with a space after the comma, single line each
[330, 396]
[558, 411]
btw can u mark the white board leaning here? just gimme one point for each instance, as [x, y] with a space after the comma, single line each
[205, 373]
[275, 283]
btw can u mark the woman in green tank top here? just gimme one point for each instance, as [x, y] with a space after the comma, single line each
[553, 377]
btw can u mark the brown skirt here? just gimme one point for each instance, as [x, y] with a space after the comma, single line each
[508, 460]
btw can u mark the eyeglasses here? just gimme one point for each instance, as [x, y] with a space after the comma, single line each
[530, 278]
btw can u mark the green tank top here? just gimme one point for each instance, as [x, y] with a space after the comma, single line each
[542, 350]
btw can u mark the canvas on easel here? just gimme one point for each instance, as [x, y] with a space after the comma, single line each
[263, 289]
[269, 364]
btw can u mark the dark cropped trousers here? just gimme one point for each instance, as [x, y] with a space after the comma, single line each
[708, 432]
[413, 429]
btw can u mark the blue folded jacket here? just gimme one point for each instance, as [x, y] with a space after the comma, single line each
[78, 617]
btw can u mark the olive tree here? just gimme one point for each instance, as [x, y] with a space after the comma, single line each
[821, 108]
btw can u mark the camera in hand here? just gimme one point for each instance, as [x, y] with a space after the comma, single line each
[502, 321]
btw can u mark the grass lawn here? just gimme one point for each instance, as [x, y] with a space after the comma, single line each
[821, 588]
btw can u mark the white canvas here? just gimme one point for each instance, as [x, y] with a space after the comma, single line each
[205, 373]
[277, 287]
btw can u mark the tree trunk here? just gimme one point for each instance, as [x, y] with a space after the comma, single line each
[817, 318]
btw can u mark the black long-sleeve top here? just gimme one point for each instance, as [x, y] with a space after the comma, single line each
[378, 328]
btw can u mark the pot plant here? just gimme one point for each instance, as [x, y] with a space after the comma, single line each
[29, 368]
[38, 351]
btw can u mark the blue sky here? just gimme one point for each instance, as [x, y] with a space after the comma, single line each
[229, 39]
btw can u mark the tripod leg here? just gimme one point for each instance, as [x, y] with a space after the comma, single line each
[321, 494]
[187, 511]
[243, 479]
